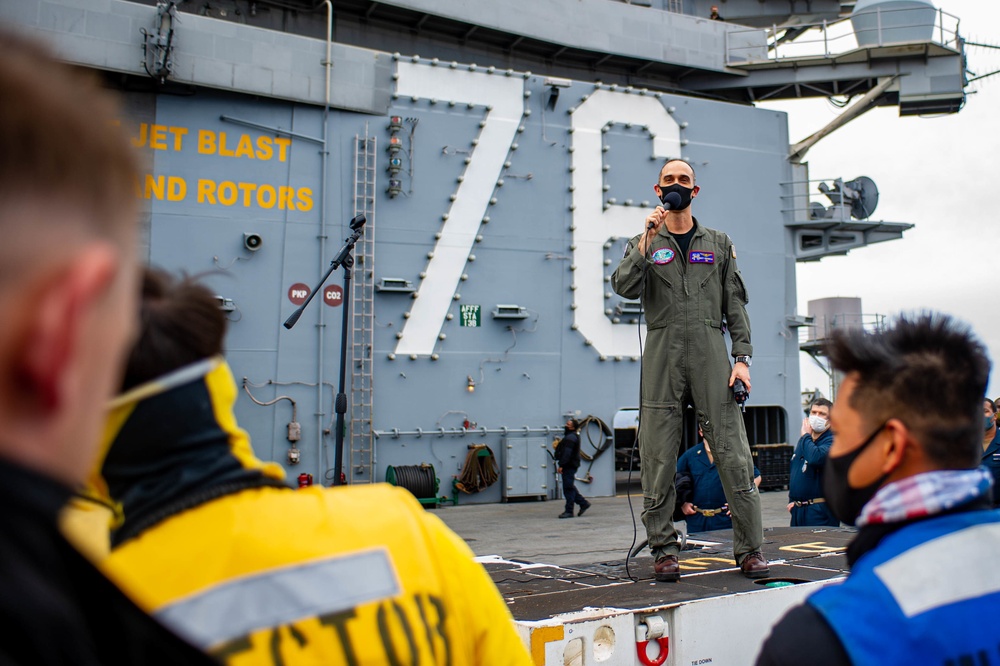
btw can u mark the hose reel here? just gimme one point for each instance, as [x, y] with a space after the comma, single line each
[421, 480]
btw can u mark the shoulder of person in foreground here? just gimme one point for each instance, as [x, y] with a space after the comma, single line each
[393, 574]
[495, 637]
[478, 627]
[802, 636]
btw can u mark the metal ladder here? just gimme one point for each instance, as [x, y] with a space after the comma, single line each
[361, 458]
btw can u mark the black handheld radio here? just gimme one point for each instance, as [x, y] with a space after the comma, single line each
[740, 393]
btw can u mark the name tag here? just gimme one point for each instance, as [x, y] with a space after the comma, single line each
[699, 257]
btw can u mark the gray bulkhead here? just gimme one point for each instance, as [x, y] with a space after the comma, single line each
[527, 372]
[563, 188]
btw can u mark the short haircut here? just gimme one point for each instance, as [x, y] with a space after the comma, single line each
[180, 322]
[929, 371]
[576, 423]
[993, 405]
[694, 176]
[61, 143]
[821, 402]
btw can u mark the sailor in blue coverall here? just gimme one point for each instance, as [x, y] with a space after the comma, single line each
[706, 508]
[805, 479]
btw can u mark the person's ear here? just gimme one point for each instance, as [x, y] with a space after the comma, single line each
[659, 192]
[694, 191]
[894, 448]
[63, 306]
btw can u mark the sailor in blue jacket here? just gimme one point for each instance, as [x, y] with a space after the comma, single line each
[991, 447]
[805, 478]
[705, 508]
[567, 462]
[905, 467]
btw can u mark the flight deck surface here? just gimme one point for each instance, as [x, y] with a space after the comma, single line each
[545, 567]
[536, 591]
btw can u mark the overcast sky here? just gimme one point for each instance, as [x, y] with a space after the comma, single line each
[941, 174]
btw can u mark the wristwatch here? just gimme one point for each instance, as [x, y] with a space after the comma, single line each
[744, 359]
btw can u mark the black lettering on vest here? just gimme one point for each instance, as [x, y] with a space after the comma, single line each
[390, 647]
[299, 637]
[276, 642]
[231, 648]
[421, 606]
[339, 622]
[276, 648]
[439, 627]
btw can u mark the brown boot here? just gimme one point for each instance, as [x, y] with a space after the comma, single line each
[667, 569]
[755, 566]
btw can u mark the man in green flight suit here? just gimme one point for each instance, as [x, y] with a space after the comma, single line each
[691, 290]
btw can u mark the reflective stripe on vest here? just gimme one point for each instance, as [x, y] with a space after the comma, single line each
[238, 607]
[927, 594]
[916, 581]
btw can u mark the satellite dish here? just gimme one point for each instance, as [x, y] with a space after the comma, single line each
[862, 195]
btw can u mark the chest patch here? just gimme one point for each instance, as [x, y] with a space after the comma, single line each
[700, 257]
[663, 256]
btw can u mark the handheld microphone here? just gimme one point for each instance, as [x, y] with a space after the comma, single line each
[671, 201]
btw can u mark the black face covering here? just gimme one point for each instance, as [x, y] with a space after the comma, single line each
[684, 192]
[844, 501]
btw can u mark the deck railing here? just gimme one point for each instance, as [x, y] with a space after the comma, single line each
[877, 27]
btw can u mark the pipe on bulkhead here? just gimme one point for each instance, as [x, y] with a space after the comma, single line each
[321, 327]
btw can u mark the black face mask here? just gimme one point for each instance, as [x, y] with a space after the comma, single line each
[844, 501]
[684, 192]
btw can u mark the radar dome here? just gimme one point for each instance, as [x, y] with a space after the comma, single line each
[880, 22]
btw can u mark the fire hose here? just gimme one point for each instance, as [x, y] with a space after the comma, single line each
[480, 470]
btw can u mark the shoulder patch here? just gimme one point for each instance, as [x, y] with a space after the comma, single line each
[663, 256]
[734, 250]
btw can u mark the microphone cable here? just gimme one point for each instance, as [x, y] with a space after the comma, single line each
[646, 257]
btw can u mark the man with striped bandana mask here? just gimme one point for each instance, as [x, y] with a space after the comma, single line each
[904, 467]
